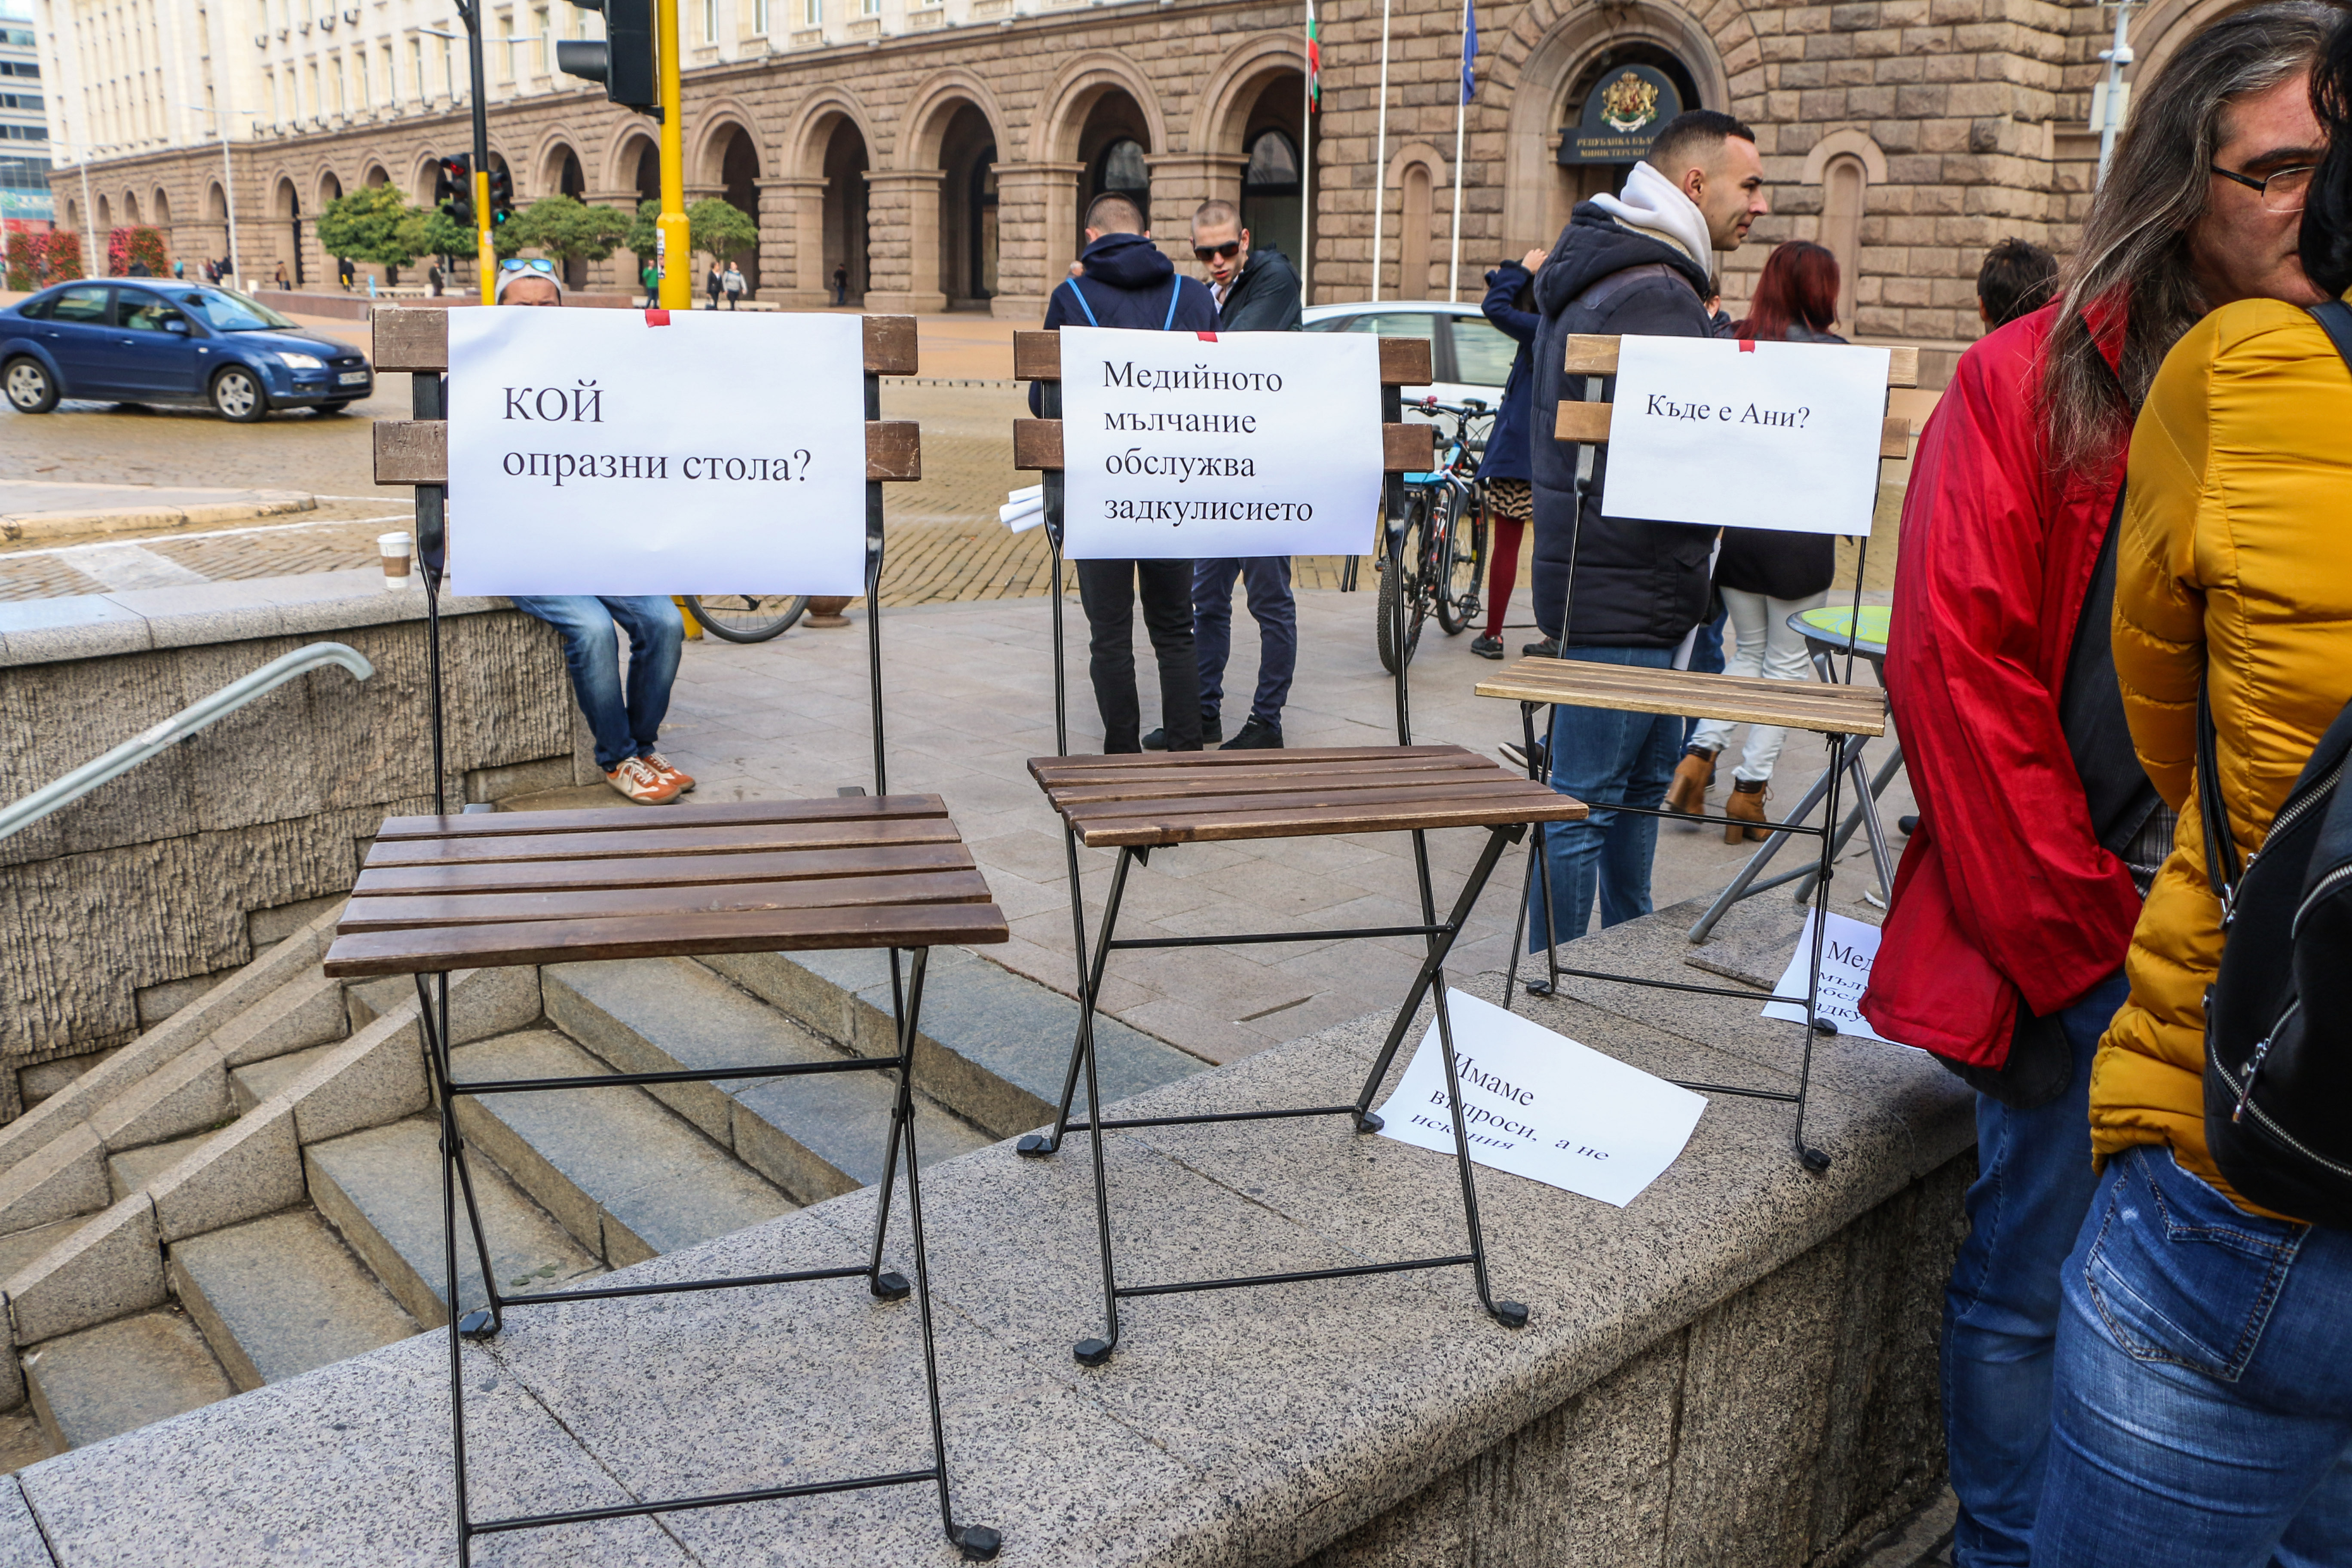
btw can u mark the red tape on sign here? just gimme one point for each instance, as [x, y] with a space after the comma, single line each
[658, 318]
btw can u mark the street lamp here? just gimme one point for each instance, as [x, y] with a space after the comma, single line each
[228, 186]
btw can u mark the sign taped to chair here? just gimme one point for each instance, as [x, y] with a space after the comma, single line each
[1732, 434]
[1190, 445]
[1849, 947]
[591, 453]
[1539, 1105]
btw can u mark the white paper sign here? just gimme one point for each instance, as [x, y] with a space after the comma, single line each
[1177, 446]
[1764, 435]
[1849, 947]
[1539, 1105]
[591, 453]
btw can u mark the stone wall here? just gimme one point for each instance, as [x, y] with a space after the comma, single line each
[154, 877]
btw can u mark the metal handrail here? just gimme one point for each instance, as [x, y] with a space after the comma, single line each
[20, 815]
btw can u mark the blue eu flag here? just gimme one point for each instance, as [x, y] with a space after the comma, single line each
[1469, 49]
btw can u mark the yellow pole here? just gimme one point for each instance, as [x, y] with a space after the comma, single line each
[483, 243]
[674, 246]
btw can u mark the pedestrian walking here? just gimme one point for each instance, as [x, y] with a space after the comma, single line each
[1616, 590]
[1764, 575]
[734, 282]
[650, 276]
[2202, 1402]
[1256, 291]
[1130, 282]
[433, 280]
[278, 278]
[715, 283]
[1504, 470]
[2040, 832]
[840, 283]
[180, 270]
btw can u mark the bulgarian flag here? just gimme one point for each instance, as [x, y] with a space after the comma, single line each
[1314, 63]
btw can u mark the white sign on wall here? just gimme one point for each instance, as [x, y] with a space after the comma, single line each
[1745, 434]
[1849, 947]
[592, 453]
[1539, 1105]
[1187, 446]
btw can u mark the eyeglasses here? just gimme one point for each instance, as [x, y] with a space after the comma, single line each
[2283, 192]
[527, 264]
[1230, 250]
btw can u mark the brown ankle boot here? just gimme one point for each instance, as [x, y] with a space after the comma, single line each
[1746, 805]
[1687, 796]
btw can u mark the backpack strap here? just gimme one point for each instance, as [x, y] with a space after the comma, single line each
[1175, 293]
[1089, 309]
[2212, 812]
[2334, 317]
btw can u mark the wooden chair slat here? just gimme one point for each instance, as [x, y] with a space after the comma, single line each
[1224, 829]
[1817, 706]
[405, 912]
[737, 931]
[1260, 778]
[1037, 443]
[1052, 770]
[890, 346]
[663, 870]
[1305, 802]
[681, 841]
[1212, 786]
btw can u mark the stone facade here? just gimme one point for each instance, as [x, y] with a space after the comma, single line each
[155, 877]
[1906, 134]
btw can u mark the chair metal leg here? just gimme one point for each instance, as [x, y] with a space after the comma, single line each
[1432, 966]
[890, 1285]
[1082, 1044]
[1096, 1352]
[432, 1017]
[1539, 855]
[1862, 814]
[1813, 1159]
[1740, 887]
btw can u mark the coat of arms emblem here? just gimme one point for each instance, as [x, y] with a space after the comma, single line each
[1629, 103]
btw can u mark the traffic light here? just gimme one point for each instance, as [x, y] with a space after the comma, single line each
[452, 189]
[623, 60]
[501, 197]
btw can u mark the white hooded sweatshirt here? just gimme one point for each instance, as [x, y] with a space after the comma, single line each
[1653, 205]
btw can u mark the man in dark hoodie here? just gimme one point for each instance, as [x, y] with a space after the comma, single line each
[1640, 263]
[1124, 281]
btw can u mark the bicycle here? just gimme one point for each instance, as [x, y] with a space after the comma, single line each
[747, 617]
[1442, 544]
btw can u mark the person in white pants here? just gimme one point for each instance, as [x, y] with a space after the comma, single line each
[1762, 645]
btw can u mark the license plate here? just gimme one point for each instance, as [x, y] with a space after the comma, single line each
[353, 378]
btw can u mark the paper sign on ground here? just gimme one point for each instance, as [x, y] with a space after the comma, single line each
[1539, 1105]
[1768, 434]
[591, 453]
[1185, 446]
[1849, 947]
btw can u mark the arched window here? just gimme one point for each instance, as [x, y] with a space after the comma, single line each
[1270, 192]
[1121, 168]
[1845, 187]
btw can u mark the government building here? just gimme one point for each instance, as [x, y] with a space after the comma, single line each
[940, 153]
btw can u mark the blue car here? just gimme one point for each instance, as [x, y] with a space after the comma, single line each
[151, 339]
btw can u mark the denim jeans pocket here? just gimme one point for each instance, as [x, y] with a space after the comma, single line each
[2181, 1275]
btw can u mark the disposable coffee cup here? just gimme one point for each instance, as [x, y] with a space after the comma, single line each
[397, 550]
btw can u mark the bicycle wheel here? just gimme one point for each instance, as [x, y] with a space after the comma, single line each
[1463, 567]
[1413, 586]
[747, 617]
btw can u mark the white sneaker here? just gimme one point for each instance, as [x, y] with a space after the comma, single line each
[668, 770]
[640, 782]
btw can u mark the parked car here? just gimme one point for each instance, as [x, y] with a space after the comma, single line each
[1470, 356]
[155, 340]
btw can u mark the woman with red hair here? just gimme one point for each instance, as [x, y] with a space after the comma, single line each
[1764, 575]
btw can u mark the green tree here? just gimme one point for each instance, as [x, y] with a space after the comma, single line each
[569, 229]
[640, 237]
[719, 230]
[371, 224]
[434, 232]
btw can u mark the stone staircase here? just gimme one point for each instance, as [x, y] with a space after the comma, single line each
[251, 1189]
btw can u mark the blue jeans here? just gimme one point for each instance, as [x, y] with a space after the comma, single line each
[2202, 1411]
[623, 729]
[1604, 758]
[2000, 1310]
[1707, 658]
[1268, 580]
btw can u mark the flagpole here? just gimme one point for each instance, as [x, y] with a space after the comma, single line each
[1306, 171]
[1461, 110]
[1380, 158]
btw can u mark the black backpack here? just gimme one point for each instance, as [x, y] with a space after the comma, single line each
[2278, 1017]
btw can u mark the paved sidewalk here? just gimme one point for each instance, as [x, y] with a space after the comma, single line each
[969, 700]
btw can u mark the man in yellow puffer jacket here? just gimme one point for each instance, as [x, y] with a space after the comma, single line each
[2203, 1412]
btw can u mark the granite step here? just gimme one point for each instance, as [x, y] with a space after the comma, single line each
[381, 1189]
[133, 1168]
[25, 1246]
[627, 1176]
[22, 1440]
[815, 1136]
[249, 1086]
[117, 1376]
[279, 1296]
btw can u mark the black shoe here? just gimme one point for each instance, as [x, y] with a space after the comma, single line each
[1211, 732]
[1548, 649]
[1908, 826]
[1487, 647]
[1254, 735]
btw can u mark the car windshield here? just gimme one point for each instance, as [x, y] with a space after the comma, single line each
[227, 312]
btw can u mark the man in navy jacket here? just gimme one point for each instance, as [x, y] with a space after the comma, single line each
[1126, 281]
[1620, 590]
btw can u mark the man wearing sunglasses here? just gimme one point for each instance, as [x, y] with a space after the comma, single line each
[1256, 291]
[2039, 833]
[624, 721]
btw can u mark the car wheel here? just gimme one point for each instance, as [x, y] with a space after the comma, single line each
[30, 386]
[332, 407]
[238, 395]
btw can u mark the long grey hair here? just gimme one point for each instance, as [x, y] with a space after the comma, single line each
[2135, 248]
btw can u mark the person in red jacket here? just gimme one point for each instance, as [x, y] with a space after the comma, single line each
[2037, 831]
